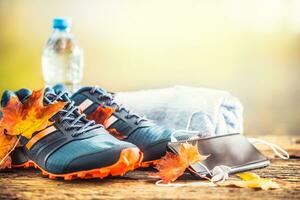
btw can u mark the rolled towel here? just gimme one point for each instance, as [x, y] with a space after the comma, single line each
[214, 112]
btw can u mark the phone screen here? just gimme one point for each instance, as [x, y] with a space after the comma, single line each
[233, 150]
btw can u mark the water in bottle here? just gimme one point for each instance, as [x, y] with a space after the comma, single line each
[62, 59]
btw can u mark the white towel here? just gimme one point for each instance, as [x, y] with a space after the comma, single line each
[218, 111]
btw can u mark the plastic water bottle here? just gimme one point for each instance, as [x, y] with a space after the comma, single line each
[62, 59]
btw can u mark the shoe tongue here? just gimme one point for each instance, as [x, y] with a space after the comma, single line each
[6, 96]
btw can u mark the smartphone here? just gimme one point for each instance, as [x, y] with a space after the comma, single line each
[233, 150]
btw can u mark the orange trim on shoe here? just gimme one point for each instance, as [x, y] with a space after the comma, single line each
[24, 165]
[39, 136]
[129, 160]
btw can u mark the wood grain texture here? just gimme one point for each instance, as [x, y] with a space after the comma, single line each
[30, 184]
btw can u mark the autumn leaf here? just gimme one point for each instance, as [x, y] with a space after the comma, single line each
[251, 180]
[11, 114]
[6, 163]
[101, 114]
[7, 143]
[25, 119]
[171, 166]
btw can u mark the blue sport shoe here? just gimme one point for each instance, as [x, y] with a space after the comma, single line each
[73, 146]
[149, 137]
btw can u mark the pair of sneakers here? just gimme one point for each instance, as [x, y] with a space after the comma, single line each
[91, 137]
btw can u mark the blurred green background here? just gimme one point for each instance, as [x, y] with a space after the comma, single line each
[250, 48]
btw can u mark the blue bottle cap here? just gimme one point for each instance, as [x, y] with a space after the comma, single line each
[62, 23]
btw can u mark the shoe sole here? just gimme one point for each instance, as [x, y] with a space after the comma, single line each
[129, 160]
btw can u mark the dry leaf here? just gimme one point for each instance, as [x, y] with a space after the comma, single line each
[7, 143]
[101, 114]
[23, 119]
[252, 180]
[172, 166]
[6, 163]
[27, 118]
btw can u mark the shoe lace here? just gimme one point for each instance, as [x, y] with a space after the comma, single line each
[71, 114]
[109, 101]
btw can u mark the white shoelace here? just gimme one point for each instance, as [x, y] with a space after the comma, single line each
[219, 173]
[280, 152]
[187, 129]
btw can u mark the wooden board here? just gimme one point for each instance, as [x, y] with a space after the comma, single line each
[30, 184]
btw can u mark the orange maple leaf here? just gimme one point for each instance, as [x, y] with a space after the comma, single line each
[171, 166]
[101, 115]
[6, 163]
[7, 143]
[23, 119]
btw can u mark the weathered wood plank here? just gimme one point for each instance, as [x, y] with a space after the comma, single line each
[30, 184]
